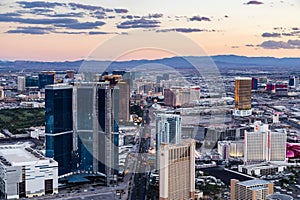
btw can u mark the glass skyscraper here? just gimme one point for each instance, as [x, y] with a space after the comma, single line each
[59, 126]
[168, 131]
[81, 127]
[45, 79]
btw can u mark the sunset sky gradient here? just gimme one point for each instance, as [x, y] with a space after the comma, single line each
[70, 30]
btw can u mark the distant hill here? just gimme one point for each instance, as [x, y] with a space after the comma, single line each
[223, 62]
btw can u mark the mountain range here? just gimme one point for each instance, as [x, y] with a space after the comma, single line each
[223, 62]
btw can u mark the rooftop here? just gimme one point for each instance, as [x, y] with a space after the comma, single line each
[258, 188]
[279, 197]
[243, 78]
[253, 182]
[17, 155]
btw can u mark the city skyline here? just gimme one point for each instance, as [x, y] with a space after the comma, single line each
[70, 30]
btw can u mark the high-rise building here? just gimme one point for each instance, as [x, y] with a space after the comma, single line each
[169, 98]
[264, 145]
[26, 173]
[124, 93]
[224, 149]
[237, 148]
[294, 81]
[59, 125]
[54, 73]
[242, 96]
[21, 83]
[94, 124]
[31, 81]
[2, 95]
[168, 130]
[252, 189]
[70, 74]
[46, 79]
[177, 171]
[254, 83]
[81, 127]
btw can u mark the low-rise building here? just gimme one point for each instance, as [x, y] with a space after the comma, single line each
[26, 173]
[261, 169]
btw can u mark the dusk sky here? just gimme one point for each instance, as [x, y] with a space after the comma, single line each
[70, 30]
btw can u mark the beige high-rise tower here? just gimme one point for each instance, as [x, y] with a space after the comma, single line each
[124, 98]
[177, 170]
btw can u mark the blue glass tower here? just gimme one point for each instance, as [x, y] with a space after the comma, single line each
[59, 126]
[45, 79]
[95, 125]
[81, 127]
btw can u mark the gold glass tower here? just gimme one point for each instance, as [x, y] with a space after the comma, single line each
[242, 96]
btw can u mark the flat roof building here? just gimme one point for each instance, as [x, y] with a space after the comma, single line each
[26, 173]
[262, 169]
[250, 190]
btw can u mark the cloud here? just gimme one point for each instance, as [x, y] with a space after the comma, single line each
[133, 17]
[290, 44]
[235, 47]
[71, 14]
[82, 25]
[68, 32]
[156, 15]
[85, 7]
[271, 35]
[5, 18]
[254, 3]
[288, 34]
[99, 14]
[295, 43]
[8, 15]
[39, 4]
[34, 11]
[121, 10]
[100, 33]
[139, 23]
[31, 30]
[41, 10]
[108, 10]
[250, 45]
[127, 17]
[182, 30]
[198, 18]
